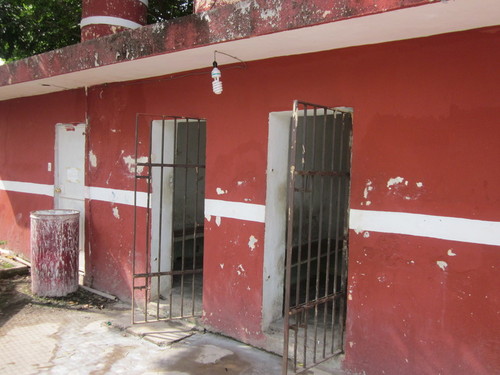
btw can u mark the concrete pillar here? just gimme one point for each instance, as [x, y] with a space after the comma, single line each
[106, 17]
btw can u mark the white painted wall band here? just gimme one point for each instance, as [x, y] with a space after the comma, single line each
[235, 210]
[27, 187]
[116, 196]
[442, 227]
[94, 193]
[145, 2]
[106, 20]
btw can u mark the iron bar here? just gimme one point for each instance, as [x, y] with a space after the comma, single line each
[305, 261]
[168, 273]
[320, 232]
[196, 226]
[343, 302]
[184, 207]
[160, 219]
[321, 173]
[319, 238]
[172, 213]
[188, 153]
[289, 239]
[147, 293]
[337, 229]
[316, 230]
[313, 303]
[303, 181]
[171, 165]
[329, 239]
[134, 246]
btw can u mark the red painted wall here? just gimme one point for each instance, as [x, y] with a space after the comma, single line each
[426, 110]
[27, 134]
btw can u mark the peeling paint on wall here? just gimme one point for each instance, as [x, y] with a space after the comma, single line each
[116, 213]
[395, 181]
[92, 159]
[220, 191]
[130, 162]
[366, 192]
[240, 270]
[218, 220]
[351, 286]
[368, 188]
[451, 253]
[403, 188]
[251, 242]
[442, 264]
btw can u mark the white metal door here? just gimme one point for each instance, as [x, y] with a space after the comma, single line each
[69, 175]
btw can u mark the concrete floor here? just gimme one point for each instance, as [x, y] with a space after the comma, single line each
[160, 308]
[50, 340]
[85, 334]
[40, 339]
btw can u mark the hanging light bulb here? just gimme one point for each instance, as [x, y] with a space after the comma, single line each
[216, 84]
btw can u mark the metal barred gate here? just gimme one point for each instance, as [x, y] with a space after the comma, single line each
[317, 235]
[168, 218]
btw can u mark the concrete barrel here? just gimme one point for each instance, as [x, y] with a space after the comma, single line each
[54, 252]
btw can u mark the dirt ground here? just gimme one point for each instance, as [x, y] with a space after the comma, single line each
[15, 294]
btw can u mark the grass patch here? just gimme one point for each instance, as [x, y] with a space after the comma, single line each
[5, 265]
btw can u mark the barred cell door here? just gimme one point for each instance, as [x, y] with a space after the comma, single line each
[168, 218]
[317, 242]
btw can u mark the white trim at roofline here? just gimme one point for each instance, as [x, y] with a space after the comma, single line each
[420, 225]
[413, 22]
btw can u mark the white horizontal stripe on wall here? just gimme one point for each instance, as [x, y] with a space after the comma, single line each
[235, 210]
[107, 20]
[145, 2]
[442, 227]
[95, 193]
[117, 196]
[27, 187]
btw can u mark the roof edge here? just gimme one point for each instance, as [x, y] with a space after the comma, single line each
[245, 19]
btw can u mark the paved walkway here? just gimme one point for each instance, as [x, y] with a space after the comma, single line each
[80, 339]
[48, 340]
